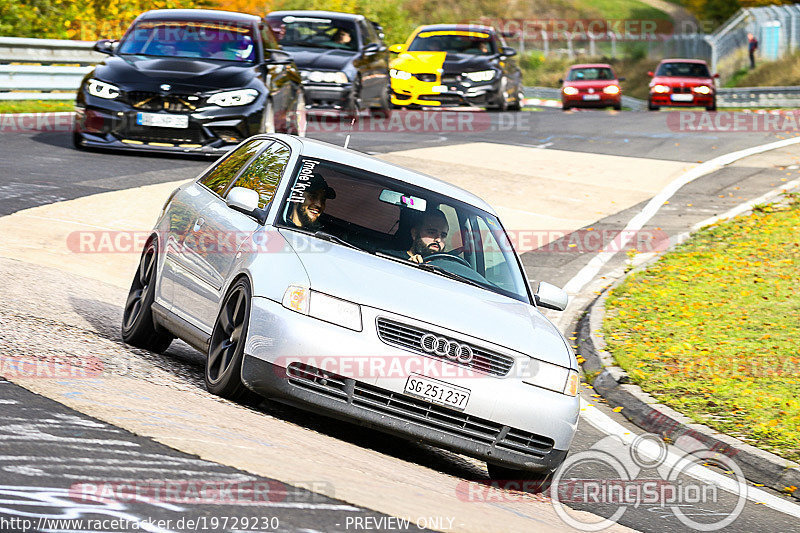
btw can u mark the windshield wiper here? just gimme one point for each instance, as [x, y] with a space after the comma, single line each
[330, 237]
[446, 273]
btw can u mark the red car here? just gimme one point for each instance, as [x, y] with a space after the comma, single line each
[682, 82]
[593, 85]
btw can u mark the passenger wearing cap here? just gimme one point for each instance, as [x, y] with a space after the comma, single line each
[306, 215]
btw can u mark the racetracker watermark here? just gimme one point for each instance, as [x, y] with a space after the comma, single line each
[594, 28]
[209, 241]
[783, 121]
[647, 473]
[421, 121]
[38, 122]
[51, 367]
[201, 492]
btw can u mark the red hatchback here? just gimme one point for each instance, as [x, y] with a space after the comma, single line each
[593, 85]
[682, 82]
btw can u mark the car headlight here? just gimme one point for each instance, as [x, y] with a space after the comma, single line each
[570, 90]
[549, 376]
[323, 307]
[573, 384]
[481, 75]
[702, 89]
[399, 74]
[611, 89]
[233, 98]
[658, 88]
[318, 76]
[102, 89]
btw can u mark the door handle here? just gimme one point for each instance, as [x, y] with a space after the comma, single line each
[199, 224]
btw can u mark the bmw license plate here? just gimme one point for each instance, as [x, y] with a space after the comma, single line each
[591, 97]
[161, 120]
[437, 392]
[682, 97]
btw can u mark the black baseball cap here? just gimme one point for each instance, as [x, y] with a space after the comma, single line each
[317, 182]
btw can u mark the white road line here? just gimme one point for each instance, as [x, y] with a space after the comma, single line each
[609, 426]
[588, 272]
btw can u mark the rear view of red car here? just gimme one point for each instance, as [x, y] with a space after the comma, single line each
[682, 83]
[593, 85]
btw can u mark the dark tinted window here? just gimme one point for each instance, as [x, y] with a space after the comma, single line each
[690, 70]
[314, 32]
[202, 39]
[264, 174]
[222, 175]
[593, 73]
[459, 42]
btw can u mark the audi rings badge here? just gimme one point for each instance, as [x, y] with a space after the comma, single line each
[450, 349]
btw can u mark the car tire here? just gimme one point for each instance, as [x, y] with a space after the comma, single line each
[712, 107]
[138, 326]
[299, 120]
[651, 107]
[565, 107]
[501, 102]
[268, 118]
[77, 141]
[352, 107]
[223, 369]
[617, 107]
[385, 108]
[536, 481]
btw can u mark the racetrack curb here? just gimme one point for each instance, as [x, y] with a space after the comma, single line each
[614, 384]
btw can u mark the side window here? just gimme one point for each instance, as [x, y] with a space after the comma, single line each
[222, 175]
[371, 33]
[265, 172]
[453, 241]
[366, 36]
[270, 42]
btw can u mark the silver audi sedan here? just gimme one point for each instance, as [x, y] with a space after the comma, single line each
[335, 282]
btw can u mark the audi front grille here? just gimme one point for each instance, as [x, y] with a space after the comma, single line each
[449, 349]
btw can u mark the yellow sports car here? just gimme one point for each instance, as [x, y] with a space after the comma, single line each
[455, 64]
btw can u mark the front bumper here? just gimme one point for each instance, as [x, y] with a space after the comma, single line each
[455, 93]
[327, 95]
[506, 421]
[213, 131]
[665, 100]
[577, 100]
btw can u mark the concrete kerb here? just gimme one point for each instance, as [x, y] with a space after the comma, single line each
[614, 384]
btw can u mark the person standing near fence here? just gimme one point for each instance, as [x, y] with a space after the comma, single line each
[752, 46]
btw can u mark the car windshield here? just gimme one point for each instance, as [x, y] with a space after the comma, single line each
[593, 73]
[683, 70]
[185, 39]
[402, 223]
[314, 32]
[459, 42]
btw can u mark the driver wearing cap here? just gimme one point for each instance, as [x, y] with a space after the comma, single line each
[306, 215]
[428, 236]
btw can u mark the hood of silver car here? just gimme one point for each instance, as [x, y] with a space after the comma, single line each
[405, 290]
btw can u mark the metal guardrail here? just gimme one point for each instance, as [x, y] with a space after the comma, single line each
[50, 51]
[759, 97]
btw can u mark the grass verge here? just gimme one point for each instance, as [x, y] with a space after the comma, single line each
[36, 106]
[711, 329]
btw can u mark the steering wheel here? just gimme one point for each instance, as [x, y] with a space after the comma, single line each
[442, 255]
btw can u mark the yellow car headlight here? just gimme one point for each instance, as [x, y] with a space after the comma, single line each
[702, 89]
[658, 88]
[399, 74]
[611, 89]
[570, 90]
[323, 307]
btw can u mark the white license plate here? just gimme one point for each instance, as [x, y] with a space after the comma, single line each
[160, 120]
[437, 392]
[439, 89]
[682, 97]
[591, 97]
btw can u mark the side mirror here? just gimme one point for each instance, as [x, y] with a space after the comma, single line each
[396, 48]
[551, 297]
[621, 78]
[372, 48]
[560, 80]
[105, 46]
[508, 51]
[242, 200]
[277, 57]
[650, 73]
[716, 75]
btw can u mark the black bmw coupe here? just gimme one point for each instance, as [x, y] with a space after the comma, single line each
[193, 81]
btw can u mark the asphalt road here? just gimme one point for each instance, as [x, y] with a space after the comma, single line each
[43, 443]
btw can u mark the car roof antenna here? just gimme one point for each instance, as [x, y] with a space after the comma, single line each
[347, 139]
